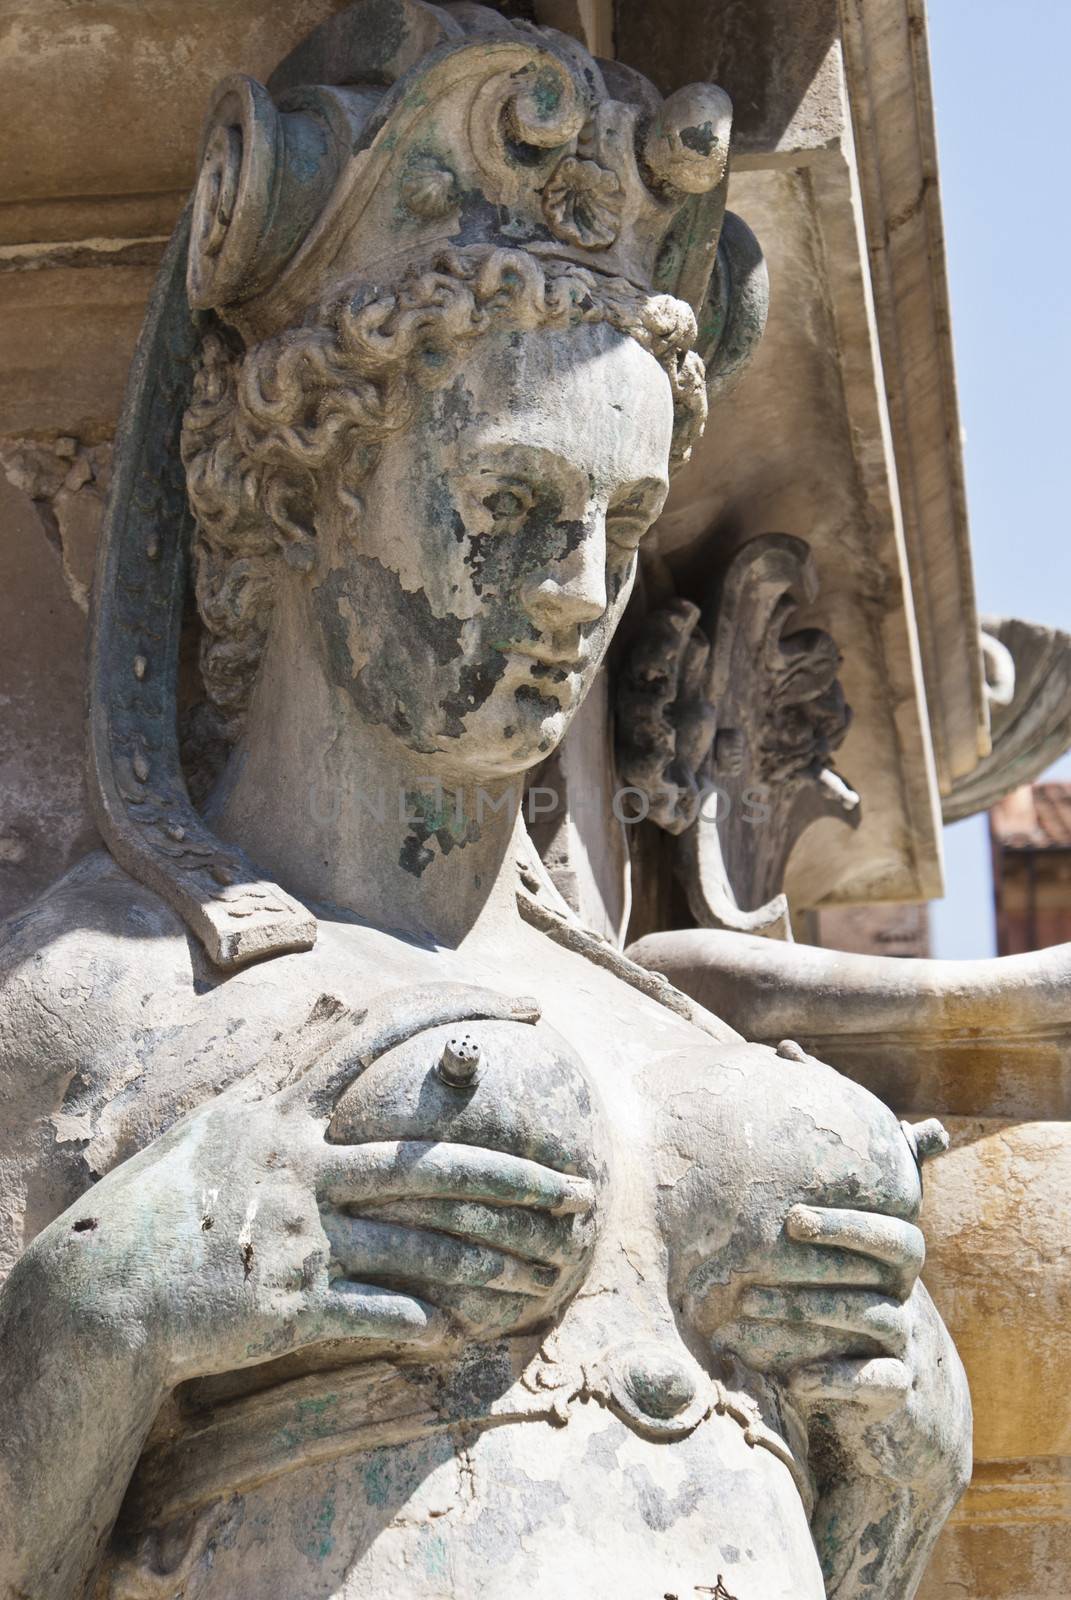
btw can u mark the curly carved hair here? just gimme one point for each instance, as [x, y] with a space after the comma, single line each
[265, 423]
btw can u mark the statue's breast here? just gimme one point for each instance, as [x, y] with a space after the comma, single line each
[506, 1086]
[747, 1135]
[512, 1091]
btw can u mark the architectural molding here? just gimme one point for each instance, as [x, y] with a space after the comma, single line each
[886, 63]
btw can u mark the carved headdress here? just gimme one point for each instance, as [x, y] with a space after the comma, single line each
[396, 130]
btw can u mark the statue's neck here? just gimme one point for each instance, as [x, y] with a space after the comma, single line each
[340, 813]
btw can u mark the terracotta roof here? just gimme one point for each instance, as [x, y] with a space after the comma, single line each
[1035, 817]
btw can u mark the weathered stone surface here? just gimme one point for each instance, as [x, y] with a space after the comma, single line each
[46, 822]
[872, 930]
[423, 1254]
[146, 70]
[999, 1265]
[783, 64]
[1008, 1537]
[576, 820]
[68, 334]
[51, 501]
[68, 484]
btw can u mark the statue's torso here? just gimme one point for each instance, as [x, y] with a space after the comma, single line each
[538, 1486]
[532, 1510]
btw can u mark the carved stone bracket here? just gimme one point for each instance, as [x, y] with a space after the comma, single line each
[1028, 685]
[665, 721]
[731, 741]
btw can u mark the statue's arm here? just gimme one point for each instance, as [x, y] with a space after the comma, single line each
[78, 1394]
[204, 1253]
[863, 1357]
[887, 1484]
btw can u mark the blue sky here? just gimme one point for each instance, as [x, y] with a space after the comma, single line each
[1001, 92]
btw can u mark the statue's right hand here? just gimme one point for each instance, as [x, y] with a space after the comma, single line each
[207, 1250]
[229, 1240]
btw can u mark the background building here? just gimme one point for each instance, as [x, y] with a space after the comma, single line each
[1030, 832]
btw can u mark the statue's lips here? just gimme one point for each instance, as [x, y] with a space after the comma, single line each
[554, 660]
[560, 675]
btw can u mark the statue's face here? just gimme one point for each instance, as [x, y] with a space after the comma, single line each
[469, 598]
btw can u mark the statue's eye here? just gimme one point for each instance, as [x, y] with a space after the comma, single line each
[623, 535]
[628, 519]
[507, 504]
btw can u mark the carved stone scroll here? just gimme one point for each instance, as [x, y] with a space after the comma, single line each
[731, 742]
[136, 784]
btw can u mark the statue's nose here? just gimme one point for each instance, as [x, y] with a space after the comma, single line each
[571, 590]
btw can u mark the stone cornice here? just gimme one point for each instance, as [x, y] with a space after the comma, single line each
[887, 68]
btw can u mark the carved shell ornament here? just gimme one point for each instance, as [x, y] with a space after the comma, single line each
[396, 129]
[429, 191]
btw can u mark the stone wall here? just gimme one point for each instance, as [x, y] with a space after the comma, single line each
[103, 105]
[51, 497]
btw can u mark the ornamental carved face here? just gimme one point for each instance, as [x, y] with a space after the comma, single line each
[469, 603]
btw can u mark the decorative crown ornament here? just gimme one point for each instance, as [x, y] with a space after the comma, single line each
[373, 145]
[396, 130]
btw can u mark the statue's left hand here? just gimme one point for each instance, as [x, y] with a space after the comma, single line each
[493, 1239]
[829, 1310]
[838, 1315]
[841, 1321]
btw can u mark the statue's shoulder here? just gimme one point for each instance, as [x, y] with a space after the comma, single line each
[81, 963]
[84, 970]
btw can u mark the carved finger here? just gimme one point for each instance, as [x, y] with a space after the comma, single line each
[370, 1250]
[530, 1234]
[868, 1233]
[348, 1310]
[389, 1021]
[880, 1385]
[411, 1169]
[826, 1266]
[775, 1347]
[857, 1311]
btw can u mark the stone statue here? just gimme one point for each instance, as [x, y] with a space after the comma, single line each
[363, 1238]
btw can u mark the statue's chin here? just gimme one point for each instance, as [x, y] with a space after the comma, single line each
[512, 733]
[541, 717]
[531, 739]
